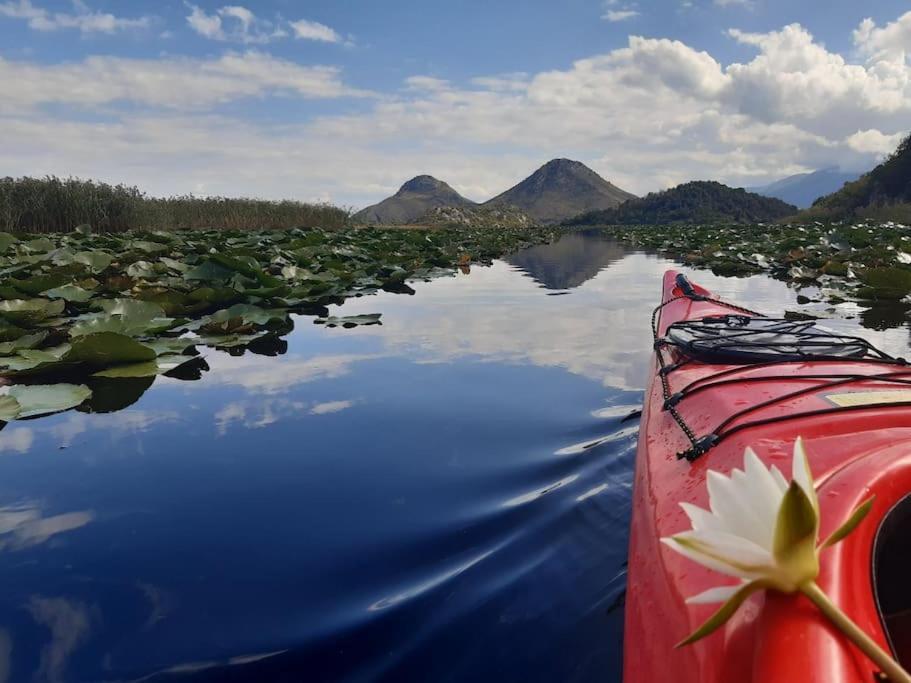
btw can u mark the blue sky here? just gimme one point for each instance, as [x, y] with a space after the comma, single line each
[345, 100]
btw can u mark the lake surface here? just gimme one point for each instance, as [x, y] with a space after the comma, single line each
[443, 497]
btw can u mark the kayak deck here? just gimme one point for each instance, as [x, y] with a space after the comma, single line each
[855, 418]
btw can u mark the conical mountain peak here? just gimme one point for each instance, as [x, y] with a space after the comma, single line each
[561, 189]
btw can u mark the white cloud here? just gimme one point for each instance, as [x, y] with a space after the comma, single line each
[330, 407]
[873, 142]
[892, 41]
[172, 82]
[238, 24]
[796, 79]
[648, 115]
[732, 3]
[428, 83]
[233, 23]
[615, 15]
[83, 19]
[313, 30]
[510, 81]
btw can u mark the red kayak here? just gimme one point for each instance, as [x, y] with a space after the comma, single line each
[725, 378]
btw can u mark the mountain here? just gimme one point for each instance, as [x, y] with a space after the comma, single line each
[884, 193]
[803, 189]
[560, 189]
[413, 200]
[700, 201]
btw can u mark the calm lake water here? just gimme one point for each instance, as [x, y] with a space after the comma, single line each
[443, 497]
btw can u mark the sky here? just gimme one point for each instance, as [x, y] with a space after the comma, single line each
[344, 100]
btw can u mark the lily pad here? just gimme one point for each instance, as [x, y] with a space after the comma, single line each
[35, 400]
[886, 283]
[28, 312]
[349, 320]
[27, 341]
[95, 260]
[73, 293]
[159, 366]
[107, 349]
[209, 271]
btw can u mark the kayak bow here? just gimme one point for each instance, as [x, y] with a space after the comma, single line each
[725, 378]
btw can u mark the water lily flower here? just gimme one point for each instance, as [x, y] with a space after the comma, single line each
[765, 531]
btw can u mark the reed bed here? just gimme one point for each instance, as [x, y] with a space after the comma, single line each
[51, 204]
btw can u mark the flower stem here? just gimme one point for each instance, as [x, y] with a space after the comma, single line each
[868, 646]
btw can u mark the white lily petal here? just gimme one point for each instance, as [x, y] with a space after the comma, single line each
[779, 479]
[701, 519]
[729, 503]
[765, 496]
[739, 556]
[704, 560]
[712, 595]
[800, 472]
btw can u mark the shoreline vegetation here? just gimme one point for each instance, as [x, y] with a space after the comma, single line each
[861, 261]
[51, 204]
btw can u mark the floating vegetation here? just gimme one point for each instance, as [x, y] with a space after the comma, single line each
[79, 311]
[860, 261]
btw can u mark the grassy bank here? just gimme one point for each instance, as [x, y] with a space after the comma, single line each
[43, 205]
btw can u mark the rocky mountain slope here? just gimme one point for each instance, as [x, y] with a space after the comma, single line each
[561, 189]
[413, 201]
[476, 216]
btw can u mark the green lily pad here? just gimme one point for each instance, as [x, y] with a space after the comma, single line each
[133, 309]
[172, 345]
[40, 244]
[141, 269]
[887, 283]
[9, 408]
[148, 247]
[159, 366]
[27, 341]
[174, 264]
[69, 293]
[209, 271]
[249, 314]
[39, 284]
[28, 312]
[107, 349]
[44, 399]
[95, 260]
[6, 241]
[350, 320]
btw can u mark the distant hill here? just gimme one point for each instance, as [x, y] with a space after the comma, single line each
[560, 189]
[803, 189]
[883, 193]
[699, 201]
[413, 200]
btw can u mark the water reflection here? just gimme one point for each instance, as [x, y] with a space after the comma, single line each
[24, 525]
[69, 623]
[442, 497]
[575, 259]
